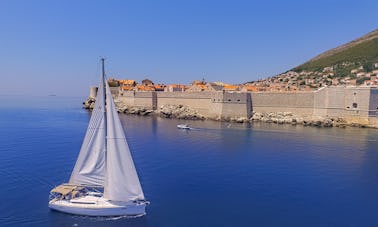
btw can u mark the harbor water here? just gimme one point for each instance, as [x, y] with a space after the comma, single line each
[216, 174]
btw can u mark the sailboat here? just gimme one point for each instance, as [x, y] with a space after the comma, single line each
[104, 181]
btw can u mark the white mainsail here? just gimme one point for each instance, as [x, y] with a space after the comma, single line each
[121, 181]
[90, 165]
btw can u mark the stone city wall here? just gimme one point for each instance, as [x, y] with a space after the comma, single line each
[300, 103]
[199, 101]
[355, 104]
[235, 105]
[215, 105]
[373, 104]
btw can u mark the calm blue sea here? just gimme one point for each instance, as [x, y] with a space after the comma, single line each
[218, 174]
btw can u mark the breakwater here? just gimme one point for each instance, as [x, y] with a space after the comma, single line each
[330, 106]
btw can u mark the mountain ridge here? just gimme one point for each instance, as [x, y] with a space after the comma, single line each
[371, 35]
[361, 51]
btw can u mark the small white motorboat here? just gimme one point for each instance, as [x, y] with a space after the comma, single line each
[183, 126]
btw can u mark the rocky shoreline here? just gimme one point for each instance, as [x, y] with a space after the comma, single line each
[290, 118]
[185, 112]
[165, 111]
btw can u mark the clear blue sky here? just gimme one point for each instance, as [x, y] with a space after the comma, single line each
[54, 46]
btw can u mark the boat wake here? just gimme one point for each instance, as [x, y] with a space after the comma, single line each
[102, 218]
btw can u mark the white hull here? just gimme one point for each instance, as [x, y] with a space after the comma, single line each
[101, 207]
[183, 126]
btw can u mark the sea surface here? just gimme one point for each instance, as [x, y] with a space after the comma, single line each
[218, 174]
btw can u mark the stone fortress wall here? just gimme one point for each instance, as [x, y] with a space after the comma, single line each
[216, 105]
[355, 104]
[301, 103]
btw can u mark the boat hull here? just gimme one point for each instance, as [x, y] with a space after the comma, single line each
[183, 127]
[103, 209]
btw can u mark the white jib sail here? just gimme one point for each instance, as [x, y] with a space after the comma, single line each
[121, 181]
[90, 165]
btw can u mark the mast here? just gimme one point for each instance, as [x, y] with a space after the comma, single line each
[104, 99]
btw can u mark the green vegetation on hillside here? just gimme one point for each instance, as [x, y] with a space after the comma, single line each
[363, 54]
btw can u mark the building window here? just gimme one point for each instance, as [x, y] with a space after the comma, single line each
[354, 105]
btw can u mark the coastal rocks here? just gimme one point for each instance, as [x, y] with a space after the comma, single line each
[89, 103]
[180, 112]
[290, 118]
[166, 111]
[239, 120]
[276, 117]
[136, 110]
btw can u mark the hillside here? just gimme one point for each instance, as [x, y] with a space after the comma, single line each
[352, 64]
[360, 52]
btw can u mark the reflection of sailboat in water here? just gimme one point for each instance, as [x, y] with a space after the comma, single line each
[104, 181]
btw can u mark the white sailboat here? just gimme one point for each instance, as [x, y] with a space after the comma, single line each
[104, 181]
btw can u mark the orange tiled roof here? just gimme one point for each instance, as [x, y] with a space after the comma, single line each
[144, 88]
[127, 88]
[230, 87]
[127, 82]
[159, 86]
